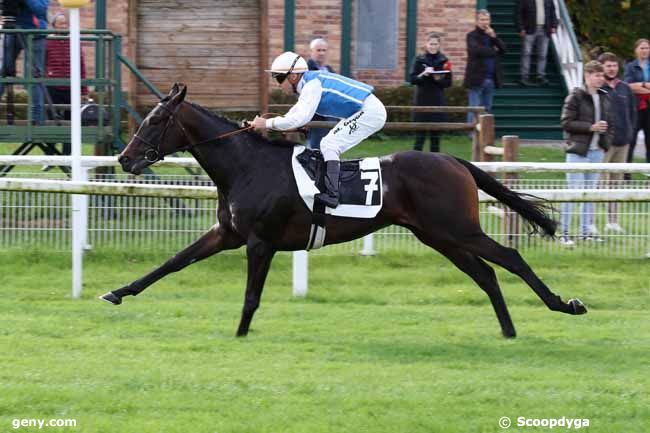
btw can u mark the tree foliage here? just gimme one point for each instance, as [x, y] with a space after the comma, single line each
[611, 25]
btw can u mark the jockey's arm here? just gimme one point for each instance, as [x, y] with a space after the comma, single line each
[302, 112]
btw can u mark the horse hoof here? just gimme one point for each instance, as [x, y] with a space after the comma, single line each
[110, 297]
[578, 306]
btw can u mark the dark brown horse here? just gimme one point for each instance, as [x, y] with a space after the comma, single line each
[433, 195]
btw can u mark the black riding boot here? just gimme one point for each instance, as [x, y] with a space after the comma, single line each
[331, 195]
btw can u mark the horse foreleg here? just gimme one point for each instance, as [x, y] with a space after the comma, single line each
[259, 255]
[215, 240]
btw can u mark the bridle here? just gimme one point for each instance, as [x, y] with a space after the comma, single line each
[152, 152]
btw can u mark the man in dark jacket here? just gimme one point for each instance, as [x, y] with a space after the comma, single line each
[625, 114]
[589, 127]
[536, 21]
[483, 71]
[318, 62]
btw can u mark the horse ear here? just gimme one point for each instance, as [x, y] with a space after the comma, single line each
[180, 95]
[174, 90]
[183, 92]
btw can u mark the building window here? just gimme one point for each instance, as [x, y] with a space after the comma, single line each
[377, 31]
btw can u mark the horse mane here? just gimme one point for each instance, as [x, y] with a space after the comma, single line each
[280, 142]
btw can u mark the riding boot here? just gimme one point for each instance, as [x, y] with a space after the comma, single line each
[331, 195]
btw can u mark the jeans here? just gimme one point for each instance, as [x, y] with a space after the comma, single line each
[481, 96]
[581, 181]
[540, 40]
[12, 46]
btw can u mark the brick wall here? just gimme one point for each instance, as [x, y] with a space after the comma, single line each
[322, 18]
[452, 19]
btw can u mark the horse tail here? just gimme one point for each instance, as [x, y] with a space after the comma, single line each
[534, 212]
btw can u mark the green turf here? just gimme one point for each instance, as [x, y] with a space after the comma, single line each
[391, 343]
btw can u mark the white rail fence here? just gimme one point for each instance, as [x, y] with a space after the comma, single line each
[168, 212]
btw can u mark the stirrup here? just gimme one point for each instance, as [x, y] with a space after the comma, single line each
[329, 200]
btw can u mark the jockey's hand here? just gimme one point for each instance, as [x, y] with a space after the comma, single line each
[259, 122]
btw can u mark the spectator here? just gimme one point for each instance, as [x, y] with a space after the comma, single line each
[431, 74]
[33, 15]
[624, 106]
[483, 72]
[637, 75]
[589, 130]
[318, 62]
[318, 56]
[536, 21]
[58, 66]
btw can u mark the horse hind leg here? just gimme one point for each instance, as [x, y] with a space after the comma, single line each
[215, 240]
[509, 258]
[482, 274]
[486, 278]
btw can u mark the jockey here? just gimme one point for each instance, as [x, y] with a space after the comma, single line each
[328, 94]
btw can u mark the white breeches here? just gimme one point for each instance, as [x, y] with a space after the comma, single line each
[353, 130]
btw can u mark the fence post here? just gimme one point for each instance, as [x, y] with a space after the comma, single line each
[79, 202]
[300, 273]
[511, 220]
[368, 245]
[486, 136]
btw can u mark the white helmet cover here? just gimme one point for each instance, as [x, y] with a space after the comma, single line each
[287, 63]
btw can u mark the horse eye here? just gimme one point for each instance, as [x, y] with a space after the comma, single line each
[153, 120]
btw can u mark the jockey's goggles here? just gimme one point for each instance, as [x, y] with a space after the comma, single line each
[281, 76]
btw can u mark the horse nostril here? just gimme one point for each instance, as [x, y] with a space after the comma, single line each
[123, 159]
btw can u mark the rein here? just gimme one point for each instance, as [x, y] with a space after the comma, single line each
[152, 153]
[236, 131]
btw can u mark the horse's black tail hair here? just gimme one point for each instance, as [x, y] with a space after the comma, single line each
[534, 212]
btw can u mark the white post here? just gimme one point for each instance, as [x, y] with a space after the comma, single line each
[79, 202]
[300, 273]
[368, 245]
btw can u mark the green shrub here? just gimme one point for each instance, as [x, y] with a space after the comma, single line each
[607, 25]
[397, 95]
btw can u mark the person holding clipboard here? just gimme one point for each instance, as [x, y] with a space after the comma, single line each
[431, 74]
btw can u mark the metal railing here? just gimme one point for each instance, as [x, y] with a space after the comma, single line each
[106, 46]
[567, 48]
[29, 219]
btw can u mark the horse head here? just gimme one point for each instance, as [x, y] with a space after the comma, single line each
[159, 134]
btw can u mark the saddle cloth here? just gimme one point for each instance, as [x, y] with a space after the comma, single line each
[360, 186]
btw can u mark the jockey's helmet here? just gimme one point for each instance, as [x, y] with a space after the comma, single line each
[287, 63]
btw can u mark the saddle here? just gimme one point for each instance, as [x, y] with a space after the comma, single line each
[360, 190]
[352, 186]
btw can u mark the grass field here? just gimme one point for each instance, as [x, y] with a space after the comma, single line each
[391, 343]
